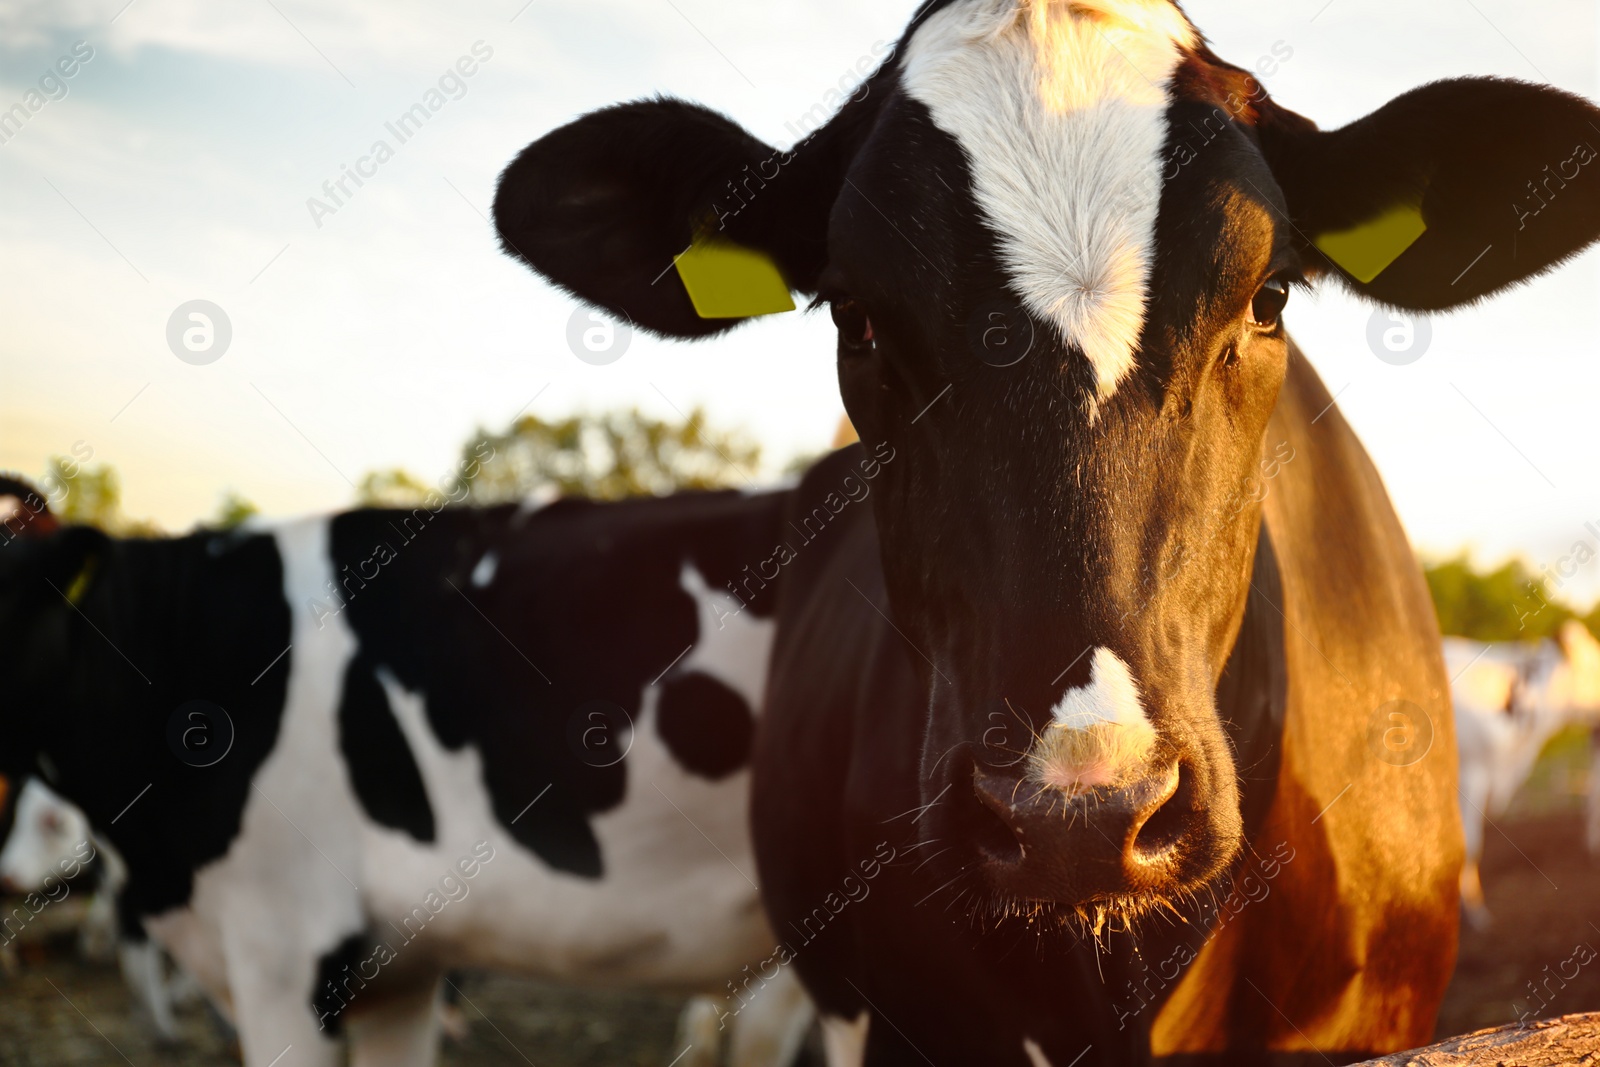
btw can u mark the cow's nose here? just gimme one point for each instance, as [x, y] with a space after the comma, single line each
[1096, 844]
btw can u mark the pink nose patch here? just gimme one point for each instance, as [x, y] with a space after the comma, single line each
[1077, 760]
[1098, 736]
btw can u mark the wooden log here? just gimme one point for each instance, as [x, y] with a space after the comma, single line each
[1564, 1042]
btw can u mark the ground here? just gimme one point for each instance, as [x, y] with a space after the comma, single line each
[1544, 892]
[1540, 884]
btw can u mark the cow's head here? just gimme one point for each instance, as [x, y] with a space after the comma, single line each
[46, 829]
[1057, 239]
[45, 569]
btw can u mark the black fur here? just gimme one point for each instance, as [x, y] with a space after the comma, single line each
[1474, 150]
[383, 770]
[707, 726]
[334, 975]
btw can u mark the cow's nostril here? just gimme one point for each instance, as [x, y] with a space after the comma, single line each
[1162, 830]
[986, 827]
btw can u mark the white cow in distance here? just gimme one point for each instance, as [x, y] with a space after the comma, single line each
[1510, 698]
[51, 836]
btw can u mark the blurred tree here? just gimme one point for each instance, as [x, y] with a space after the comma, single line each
[604, 456]
[1508, 603]
[91, 496]
[233, 510]
[391, 488]
[802, 462]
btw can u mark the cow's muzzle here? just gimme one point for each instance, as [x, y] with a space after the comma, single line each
[1103, 844]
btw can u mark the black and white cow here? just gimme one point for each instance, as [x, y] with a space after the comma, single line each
[343, 755]
[1158, 642]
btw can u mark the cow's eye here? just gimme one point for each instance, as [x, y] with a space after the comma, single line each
[855, 328]
[1268, 303]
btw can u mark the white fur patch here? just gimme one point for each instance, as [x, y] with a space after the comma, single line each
[1111, 696]
[733, 645]
[845, 1040]
[1061, 109]
[1099, 734]
[1036, 1054]
[48, 830]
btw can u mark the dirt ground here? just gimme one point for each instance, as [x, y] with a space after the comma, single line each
[1539, 881]
[1544, 893]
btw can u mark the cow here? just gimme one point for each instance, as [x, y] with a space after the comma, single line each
[1129, 631]
[51, 838]
[49, 842]
[1510, 698]
[343, 755]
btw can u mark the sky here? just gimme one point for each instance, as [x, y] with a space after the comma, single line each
[177, 161]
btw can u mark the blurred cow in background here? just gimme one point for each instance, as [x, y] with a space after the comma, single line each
[51, 836]
[343, 756]
[1592, 803]
[1510, 699]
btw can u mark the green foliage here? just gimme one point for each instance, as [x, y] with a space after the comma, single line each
[391, 488]
[605, 456]
[91, 496]
[233, 510]
[1509, 603]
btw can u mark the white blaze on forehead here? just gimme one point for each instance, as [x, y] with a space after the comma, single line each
[1061, 109]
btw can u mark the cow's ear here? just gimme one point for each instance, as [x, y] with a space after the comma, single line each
[603, 205]
[1446, 194]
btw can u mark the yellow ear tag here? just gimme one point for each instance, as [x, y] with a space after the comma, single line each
[80, 583]
[1365, 251]
[729, 281]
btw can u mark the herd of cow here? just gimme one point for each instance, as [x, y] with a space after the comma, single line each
[1091, 709]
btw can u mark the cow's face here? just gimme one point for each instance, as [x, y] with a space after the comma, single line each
[44, 570]
[1057, 239]
[46, 828]
[1077, 354]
